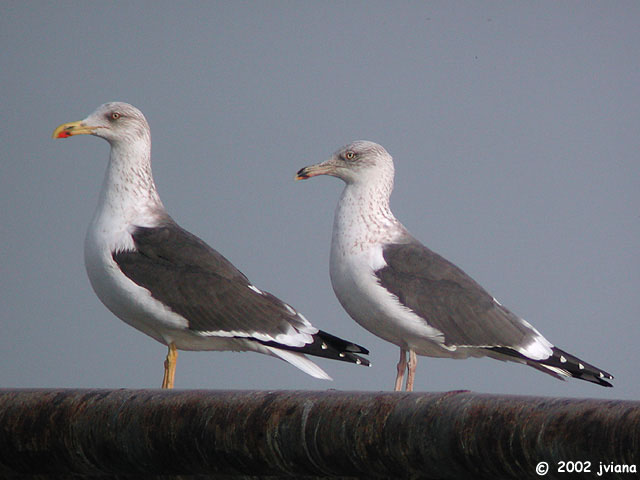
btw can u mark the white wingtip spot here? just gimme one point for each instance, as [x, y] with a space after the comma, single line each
[562, 359]
[581, 366]
[324, 346]
[359, 362]
[341, 355]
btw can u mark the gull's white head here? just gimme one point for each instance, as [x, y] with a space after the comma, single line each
[358, 162]
[116, 122]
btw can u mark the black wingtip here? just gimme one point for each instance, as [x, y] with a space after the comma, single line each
[578, 368]
[562, 364]
[329, 346]
[338, 349]
[341, 344]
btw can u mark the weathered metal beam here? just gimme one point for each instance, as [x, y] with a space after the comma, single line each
[295, 433]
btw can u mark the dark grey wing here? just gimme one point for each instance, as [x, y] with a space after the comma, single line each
[198, 283]
[448, 299]
[451, 301]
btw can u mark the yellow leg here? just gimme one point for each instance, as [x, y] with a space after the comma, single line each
[402, 365]
[413, 363]
[170, 366]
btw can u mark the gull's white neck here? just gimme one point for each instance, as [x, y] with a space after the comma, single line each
[128, 191]
[128, 198]
[363, 217]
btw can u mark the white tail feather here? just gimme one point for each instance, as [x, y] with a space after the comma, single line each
[299, 360]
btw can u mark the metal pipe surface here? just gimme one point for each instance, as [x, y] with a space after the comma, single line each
[309, 433]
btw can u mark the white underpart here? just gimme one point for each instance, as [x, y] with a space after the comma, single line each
[374, 307]
[362, 225]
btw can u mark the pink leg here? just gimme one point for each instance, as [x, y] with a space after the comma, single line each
[413, 363]
[402, 365]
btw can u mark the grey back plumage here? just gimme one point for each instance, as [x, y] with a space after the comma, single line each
[448, 299]
[197, 282]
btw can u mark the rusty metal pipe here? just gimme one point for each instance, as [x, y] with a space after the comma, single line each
[297, 433]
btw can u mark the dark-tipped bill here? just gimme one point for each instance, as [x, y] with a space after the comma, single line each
[313, 170]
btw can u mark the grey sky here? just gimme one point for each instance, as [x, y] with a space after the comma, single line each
[514, 127]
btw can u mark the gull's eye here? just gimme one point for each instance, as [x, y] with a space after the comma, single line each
[115, 116]
[350, 155]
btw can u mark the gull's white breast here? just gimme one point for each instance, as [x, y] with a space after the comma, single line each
[356, 254]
